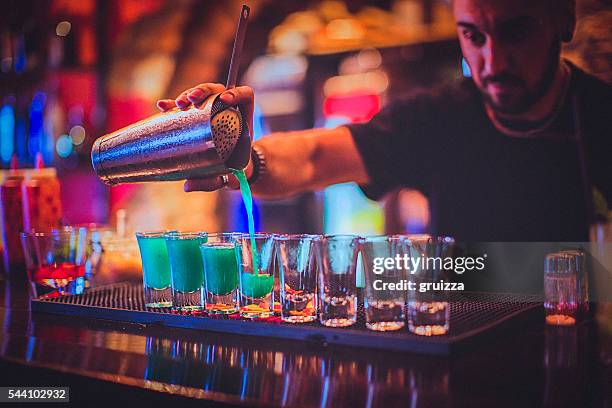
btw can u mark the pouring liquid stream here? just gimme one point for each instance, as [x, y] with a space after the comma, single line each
[247, 199]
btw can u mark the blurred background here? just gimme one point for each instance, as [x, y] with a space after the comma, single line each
[73, 70]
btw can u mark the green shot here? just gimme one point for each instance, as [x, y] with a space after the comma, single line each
[155, 269]
[255, 285]
[221, 269]
[220, 273]
[186, 269]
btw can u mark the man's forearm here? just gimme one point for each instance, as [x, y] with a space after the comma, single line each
[307, 160]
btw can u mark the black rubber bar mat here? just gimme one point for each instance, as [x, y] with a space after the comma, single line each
[473, 316]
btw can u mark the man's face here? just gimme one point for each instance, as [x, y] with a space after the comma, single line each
[512, 48]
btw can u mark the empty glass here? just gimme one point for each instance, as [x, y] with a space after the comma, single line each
[186, 269]
[428, 311]
[55, 261]
[155, 269]
[337, 255]
[220, 273]
[93, 234]
[298, 278]
[256, 278]
[385, 261]
[560, 289]
[582, 279]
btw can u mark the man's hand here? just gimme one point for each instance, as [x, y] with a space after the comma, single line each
[241, 95]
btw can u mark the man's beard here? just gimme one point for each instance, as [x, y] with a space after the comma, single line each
[528, 98]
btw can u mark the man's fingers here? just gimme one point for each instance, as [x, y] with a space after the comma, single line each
[232, 182]
[165, 104]
[241, 95]
[199, 93]
[205, 184]
[211, 183]
[182, 101]
[238, 95]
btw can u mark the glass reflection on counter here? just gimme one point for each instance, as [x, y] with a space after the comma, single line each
[296, 378]
[563, 363]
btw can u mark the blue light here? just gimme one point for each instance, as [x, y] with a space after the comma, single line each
[465, 68]
[31, 347]
[20, 55]
[238, 220]
[348, 211]
[7, 132]
[259, 125]
[36, 124]
[38, 101]
[21, 138]
[334, 121]
[244, 385]
[63, 146]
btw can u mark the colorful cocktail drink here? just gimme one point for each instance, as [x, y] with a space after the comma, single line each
[256, 278]
[155, 269]
[186, 269]
[55, 262]
[220, 273]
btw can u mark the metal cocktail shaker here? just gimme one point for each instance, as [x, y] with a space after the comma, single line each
[176, 145]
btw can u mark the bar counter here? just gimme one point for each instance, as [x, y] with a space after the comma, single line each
[108, 362]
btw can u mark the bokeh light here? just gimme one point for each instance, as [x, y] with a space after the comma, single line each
[75, 115]
[63, 146]
[77, 134]
[63, 28]
[7, 132]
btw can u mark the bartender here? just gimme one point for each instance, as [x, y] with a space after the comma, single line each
[522, 151]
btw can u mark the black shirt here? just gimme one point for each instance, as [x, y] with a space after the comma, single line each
[484, 185]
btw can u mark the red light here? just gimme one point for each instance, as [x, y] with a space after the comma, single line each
[358, 108]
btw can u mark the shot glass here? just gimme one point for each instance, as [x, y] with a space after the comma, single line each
[298, 278]
[428, 310]
[560, 289]
[337, 257]
[186, 269]
[385, 293]
[220, 273]
[582, 280]
[256, 278]
[155, 269]
[55, 261]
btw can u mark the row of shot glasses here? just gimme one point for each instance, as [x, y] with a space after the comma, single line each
[318, 277]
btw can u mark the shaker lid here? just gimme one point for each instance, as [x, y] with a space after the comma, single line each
[226, 127]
